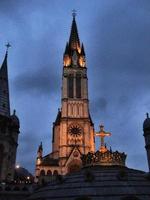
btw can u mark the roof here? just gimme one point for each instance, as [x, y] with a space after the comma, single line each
[58, 118]
[98, 183]
[4, 89]
[74, 41]
[22, 174]
[47, 161]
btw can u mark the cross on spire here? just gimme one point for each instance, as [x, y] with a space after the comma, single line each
[147, 115]
[74, 42]
[74, 13]
[7, 46]
[102, 134]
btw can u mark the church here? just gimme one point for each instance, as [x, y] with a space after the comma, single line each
[73, 170]
[73, 129]
[9, 127]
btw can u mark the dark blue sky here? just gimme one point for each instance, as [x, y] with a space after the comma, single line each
[116, 36]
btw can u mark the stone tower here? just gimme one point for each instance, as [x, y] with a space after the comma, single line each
[146, 129]
[9, 128]
[73, 129]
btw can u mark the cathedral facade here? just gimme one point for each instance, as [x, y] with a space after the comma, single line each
[9, 128]
[73, 129]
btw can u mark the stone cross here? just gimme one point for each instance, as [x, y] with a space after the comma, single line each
[102, 134]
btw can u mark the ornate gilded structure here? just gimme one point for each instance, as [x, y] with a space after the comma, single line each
[104, 156]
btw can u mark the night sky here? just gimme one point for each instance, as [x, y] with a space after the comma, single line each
[116, 36]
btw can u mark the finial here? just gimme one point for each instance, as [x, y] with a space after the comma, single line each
[101, 127]
[40, 147]
[14, 112]
[7, 46]
[74, 13]
[110, 149]
[147, 115]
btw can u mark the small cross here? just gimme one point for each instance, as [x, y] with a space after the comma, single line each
[74, 12]
[147, 115]
[7, 46]
[14, 113]
[102, 134]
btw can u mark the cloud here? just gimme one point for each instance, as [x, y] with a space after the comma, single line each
[41, 82]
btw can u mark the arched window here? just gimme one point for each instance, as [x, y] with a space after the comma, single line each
[1, 157]
[42, 173]
[70, 86]
[78, 109]
[55, 173]
[71, 109]
[49, 173]
[78, 86]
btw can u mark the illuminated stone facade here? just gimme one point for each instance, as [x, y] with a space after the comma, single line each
[73, 129]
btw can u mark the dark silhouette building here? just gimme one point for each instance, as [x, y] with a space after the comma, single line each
[9, 127]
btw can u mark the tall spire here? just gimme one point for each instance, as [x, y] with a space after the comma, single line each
[74, 55]
[4, 87]
[74, 42]
[66, 49]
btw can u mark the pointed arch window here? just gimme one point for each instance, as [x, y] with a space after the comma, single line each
[42, 173]
[55, 173]
[78, 86]
[49, 173]
[70, 86]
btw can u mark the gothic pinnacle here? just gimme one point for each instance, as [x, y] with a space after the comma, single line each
[147, 115]
[4, 87]
[82, 50]
[74, 42]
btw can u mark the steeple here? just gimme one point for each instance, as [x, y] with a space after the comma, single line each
[66, 49]
[4, 87]
[82, 50]
[74, 42]
[146, 129]
[39, 153]
[40, 147]
[74, 55]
